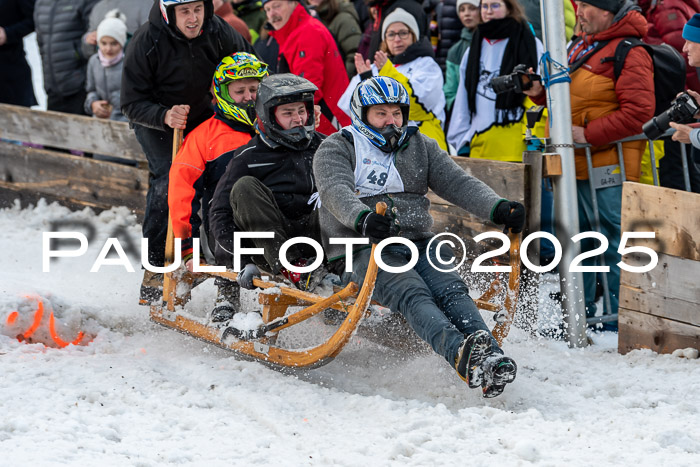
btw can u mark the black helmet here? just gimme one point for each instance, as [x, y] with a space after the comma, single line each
[276, 90]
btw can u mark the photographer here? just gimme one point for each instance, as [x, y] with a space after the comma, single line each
[604, 110]
[485, 124]
[671, 168]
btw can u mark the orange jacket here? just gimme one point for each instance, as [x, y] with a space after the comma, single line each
[197, 168]
[610, 110]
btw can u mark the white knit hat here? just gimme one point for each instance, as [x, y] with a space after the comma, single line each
[114, 25]
[401, 16]
[471, 2]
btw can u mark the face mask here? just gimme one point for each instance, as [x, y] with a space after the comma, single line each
[392, 134]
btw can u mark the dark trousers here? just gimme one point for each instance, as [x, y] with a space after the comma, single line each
[157, 145]
[671, 167]
[73, 104]
[436, 304]
[255, 210]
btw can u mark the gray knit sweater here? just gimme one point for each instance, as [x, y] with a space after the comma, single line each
[421, 164]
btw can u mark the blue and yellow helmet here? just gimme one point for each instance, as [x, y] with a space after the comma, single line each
[240, 65]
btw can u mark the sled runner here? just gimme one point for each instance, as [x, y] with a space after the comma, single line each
[261, 344]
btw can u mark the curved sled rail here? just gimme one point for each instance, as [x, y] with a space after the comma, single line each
[235, 340]
[505, 318]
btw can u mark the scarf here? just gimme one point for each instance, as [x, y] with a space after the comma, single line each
[422, 48]
[521, 48]
[108, 62]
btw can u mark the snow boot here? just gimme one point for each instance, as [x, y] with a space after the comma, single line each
[228, 301]
[498, 370]
[151, 288]
[475, 349]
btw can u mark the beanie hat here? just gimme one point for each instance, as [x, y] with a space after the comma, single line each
[401, 16]
[114, 25]
[612, 6]
[691, 30]
[471, 2]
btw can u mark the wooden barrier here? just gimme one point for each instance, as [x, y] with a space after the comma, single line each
[29, 173]
[660, 309]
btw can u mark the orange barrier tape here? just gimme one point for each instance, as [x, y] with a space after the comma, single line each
[60, 342]
[38, 316]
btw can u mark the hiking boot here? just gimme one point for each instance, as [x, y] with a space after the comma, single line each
[475, 349]
[151, 288]
[228, 301]
[498, 370]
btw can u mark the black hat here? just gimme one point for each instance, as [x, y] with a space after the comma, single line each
[608, 5]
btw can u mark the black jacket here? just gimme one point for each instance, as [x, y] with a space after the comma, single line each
[289, 174]
[60, 25]
[163, 68]
[17, 18]
[450, 28]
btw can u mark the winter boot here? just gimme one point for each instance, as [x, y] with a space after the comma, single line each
[498, 370]
[228, 301]
[475, 349]
[151, 288]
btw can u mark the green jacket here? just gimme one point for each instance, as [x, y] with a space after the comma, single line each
[454, 58]
[253, 15]
[345, 28]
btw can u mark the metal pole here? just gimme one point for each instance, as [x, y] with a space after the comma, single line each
[652, 155]
[565, 198]
[686, 172]
[596, 217]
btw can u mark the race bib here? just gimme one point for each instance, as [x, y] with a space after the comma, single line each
[375, 172]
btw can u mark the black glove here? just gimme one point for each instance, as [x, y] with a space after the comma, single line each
[376, 227]
[245, 277]
[511, 214]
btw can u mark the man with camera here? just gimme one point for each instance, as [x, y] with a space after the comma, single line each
[603, 110]
[685, 133]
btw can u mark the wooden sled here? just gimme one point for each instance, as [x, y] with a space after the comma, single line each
[260, 344]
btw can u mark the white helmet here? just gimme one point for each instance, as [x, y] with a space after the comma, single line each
[167, 9]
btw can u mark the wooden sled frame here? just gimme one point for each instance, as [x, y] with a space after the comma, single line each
[260, 345]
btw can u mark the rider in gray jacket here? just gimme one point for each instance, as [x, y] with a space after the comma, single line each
[397, 166]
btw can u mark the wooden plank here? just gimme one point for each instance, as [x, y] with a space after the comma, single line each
[551, 165]
[644, 331]
[672, 214]
[670, 290]
[67, 131]
[508, 179]
[79, 179]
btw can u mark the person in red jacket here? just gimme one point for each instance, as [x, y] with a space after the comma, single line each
[307, 49]
[203, 158]
[666, 19]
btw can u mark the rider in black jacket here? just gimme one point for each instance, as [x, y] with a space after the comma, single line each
[166, 81]
[268, 185]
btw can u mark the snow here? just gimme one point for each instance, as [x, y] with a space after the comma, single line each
[140, 394]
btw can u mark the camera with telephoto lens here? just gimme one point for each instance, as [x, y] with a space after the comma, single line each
[518, 81]
[682, 110]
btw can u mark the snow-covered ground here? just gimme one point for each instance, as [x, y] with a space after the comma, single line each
[140, 394]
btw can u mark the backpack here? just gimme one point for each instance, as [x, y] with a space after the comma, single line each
[669, 69]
